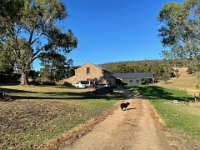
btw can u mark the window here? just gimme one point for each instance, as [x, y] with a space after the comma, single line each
[84, 82]
[87, 70]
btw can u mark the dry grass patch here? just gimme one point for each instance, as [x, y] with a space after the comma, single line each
[186, 82]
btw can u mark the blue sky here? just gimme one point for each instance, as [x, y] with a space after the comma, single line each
[114, 30]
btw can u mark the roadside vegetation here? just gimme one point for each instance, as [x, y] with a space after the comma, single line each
[182, 116]
[41, 113]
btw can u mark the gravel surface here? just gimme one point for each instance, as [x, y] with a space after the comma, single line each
[138, 128]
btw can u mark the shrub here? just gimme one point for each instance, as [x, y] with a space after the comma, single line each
[9, 77]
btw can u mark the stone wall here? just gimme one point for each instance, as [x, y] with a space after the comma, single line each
[95, 73]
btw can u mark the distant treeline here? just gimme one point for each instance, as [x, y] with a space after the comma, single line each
[159, 68]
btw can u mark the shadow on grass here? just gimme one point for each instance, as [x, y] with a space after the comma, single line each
[21, 94]
[155, 92]
[70, 96]
[10, 83]
[14, 91]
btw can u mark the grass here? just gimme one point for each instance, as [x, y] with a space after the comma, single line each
[186, 82]
[41, 113]
[27, 124]
[181, 117]
[44, 92]
[156, 92]
[52, 92]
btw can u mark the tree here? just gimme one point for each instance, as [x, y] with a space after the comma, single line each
[165, 77]
[8, 9]
[176, 71]
[34, 30]
[10, 12]
[6, 63]
[180, 29]
[55, 64]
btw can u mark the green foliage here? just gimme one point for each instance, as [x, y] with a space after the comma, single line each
[6, 62]
[55, 65]
[34, 30]
[157, 67]
[10, 12]
[165, 76]
[194, 66]
[180, 29]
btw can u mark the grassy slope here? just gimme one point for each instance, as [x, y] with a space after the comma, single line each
[176, 116]
[186, 82]
[25, 124]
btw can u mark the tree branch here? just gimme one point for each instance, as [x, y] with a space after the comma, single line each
[40, 34]
[31, 35]
[35, 54]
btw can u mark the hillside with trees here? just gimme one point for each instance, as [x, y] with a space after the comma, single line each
[161, 69]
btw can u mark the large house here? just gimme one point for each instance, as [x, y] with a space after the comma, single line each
[135, 78]
[90, 72]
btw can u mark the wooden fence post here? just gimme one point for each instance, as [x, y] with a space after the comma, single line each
[195, 98]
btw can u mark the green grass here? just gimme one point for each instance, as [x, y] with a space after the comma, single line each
[177, 118]
[52, 92]
[40, 113]
[174, 115]
[44, 92]
[155, 93]
[26, 124]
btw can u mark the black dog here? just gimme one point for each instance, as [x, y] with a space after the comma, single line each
[124, 106]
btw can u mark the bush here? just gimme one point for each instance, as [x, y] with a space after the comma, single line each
[9, 77]
[67, 84]
[49, 83]
[103, 90]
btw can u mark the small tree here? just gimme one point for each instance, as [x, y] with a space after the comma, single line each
[54, 64]
[176, 71]
[165, 77]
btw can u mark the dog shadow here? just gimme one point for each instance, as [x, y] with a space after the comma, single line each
[131, 108]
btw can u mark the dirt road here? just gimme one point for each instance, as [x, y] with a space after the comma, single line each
[138, 128]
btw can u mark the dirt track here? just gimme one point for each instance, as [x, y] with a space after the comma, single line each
[138, 128]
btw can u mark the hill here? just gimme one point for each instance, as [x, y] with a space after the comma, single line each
[157, 67]
[186, 82]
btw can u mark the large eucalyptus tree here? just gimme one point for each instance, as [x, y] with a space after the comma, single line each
[33, 29]
[180, 29]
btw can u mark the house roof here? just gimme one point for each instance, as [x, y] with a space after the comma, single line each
[133, 75]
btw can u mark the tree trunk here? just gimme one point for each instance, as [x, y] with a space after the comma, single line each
[24, 78]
